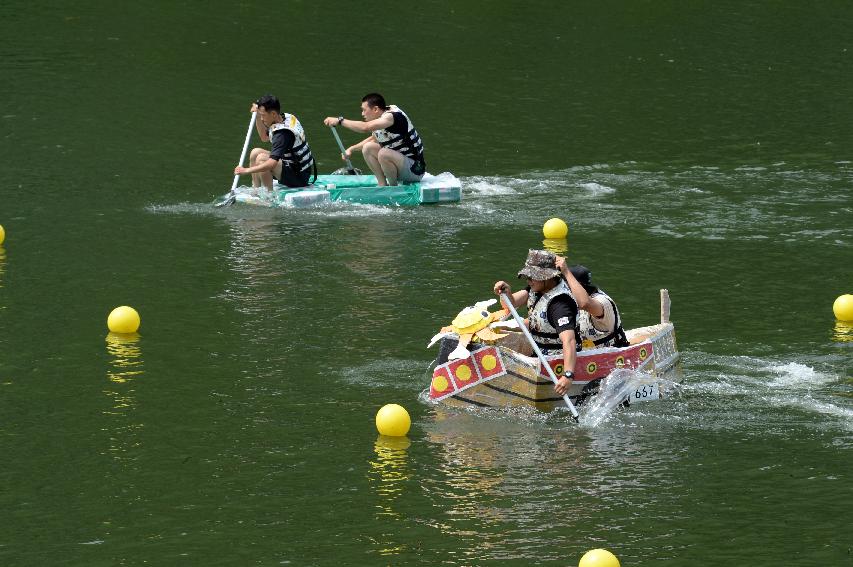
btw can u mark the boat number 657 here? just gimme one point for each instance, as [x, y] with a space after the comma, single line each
[644, 392]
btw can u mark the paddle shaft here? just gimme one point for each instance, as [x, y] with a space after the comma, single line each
[529, 337]
[245, 147]
[343, 150]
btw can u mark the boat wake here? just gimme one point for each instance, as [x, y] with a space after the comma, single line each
[734, 392]
[708, 203]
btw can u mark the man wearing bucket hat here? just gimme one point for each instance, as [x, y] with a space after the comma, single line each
[551, 311]
[599, 321]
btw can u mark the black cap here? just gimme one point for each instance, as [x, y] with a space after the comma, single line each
[584, 277]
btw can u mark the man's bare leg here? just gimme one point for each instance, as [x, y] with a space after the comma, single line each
[371, 157]
[391, 162]
[255, 159]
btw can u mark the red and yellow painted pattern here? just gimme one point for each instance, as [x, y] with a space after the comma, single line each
[598, 365]
[487, 363]
[458, 375]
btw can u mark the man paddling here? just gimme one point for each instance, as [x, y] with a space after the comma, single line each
[599, 321]
[394, 151]
[290, 161]
[552, 312]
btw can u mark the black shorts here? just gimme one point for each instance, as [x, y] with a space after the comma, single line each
[292, 178]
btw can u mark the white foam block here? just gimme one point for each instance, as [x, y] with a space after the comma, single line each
[306, 198]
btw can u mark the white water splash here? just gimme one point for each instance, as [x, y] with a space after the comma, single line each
[615, 389]
[598, 189]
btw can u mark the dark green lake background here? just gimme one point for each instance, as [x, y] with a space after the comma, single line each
[701, 147]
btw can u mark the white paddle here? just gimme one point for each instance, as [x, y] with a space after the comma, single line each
[529, 337]
[231, 197]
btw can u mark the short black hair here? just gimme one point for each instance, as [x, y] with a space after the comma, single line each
[269, 102]
[375, 99]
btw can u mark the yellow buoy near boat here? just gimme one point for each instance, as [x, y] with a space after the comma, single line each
[123, 320]
[843, 306]
[598, 558]
[393, 420]
[555, 228]
[2, 235]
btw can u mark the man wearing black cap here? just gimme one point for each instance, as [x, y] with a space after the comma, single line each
[599, 321]
[290, 160]
[551, 311]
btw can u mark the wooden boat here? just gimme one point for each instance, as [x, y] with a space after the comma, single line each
[443, 188]
[504, 375]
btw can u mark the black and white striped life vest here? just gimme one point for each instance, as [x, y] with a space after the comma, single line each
[299, 156]
[408, 143]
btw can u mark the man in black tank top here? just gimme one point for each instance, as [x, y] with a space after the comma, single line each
[394, 150]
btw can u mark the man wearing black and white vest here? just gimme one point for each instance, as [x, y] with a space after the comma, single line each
[393, 151]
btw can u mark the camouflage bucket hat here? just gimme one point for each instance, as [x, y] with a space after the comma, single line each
[540, 265]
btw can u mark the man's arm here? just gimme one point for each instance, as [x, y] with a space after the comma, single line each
[384, 121]
[265, 166]
[569, 358]
[283, 139]
[582, 298]
[519, 298]
[263, 133]
[357, 147]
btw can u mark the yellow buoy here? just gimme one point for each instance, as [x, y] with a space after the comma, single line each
[598, 558]
[393, 420]
[843, 306]
[2, 235]
[123, 320]
[555, 228]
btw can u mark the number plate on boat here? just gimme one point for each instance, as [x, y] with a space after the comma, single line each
[645, 393]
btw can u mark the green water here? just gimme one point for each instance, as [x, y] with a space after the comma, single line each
[704, 148]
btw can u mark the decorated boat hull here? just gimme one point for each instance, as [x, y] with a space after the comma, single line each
[499, 375]
[432, 189]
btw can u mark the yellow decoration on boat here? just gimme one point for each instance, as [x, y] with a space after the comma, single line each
[2, 234]
[393, 420]
[464, 372]
[555, 228]
[489, 362]
[620, 361]
[473, 321]
[843, 306]
[440, 384]
[591, 367]
[598, 558]
[643, 353]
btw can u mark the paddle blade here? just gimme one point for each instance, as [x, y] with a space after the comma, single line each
[346, 171]
[227, 202]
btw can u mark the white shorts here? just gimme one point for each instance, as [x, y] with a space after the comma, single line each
[406, 176]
